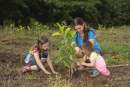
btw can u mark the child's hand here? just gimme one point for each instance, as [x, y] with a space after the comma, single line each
[83, 63]
[78, 64]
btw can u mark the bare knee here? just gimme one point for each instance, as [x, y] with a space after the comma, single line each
[34, 67]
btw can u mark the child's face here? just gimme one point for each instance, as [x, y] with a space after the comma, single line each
[79, 28]
[45, 46]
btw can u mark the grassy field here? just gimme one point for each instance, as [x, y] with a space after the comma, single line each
[114, 41]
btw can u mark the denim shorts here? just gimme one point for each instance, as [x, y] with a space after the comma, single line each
[30, 60]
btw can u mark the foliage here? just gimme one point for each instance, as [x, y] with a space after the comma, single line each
[66, 50]
[104, 12]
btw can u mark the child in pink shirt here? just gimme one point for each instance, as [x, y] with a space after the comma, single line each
[97, 61]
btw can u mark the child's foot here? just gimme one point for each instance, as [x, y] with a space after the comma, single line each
[26, 69]
[55, 73]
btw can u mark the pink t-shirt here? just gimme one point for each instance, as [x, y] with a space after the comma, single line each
[100, 63]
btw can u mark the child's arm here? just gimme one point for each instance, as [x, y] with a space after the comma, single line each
[39, 63]
[88, 64]
[91, 64]
[50, 65]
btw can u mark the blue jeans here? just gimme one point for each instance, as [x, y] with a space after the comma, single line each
[93, 72]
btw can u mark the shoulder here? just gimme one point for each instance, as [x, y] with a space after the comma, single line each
[94, 55]
[34, 50]
[76, 34]
[92, 31]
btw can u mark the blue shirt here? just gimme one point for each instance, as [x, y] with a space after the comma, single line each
[91, 35]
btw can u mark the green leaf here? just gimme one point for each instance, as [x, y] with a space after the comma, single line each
[62, 29]
[72, 44]
[56, 34]
[67, 31]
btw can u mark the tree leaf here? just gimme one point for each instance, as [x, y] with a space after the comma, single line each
[56, 34]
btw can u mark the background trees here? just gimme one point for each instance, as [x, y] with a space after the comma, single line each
[105, 12]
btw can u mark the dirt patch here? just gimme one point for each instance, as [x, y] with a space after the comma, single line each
[8, 58]
[15, 43]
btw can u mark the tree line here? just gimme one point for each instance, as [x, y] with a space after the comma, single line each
[104, 12]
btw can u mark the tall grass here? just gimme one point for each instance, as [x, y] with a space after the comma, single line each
[115, 43]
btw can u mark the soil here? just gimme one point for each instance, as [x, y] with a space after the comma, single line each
[120, 76]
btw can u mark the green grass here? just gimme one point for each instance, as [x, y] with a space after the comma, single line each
[115, 43]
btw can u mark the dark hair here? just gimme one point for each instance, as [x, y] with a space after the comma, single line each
[80, 21]
[42, 40]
